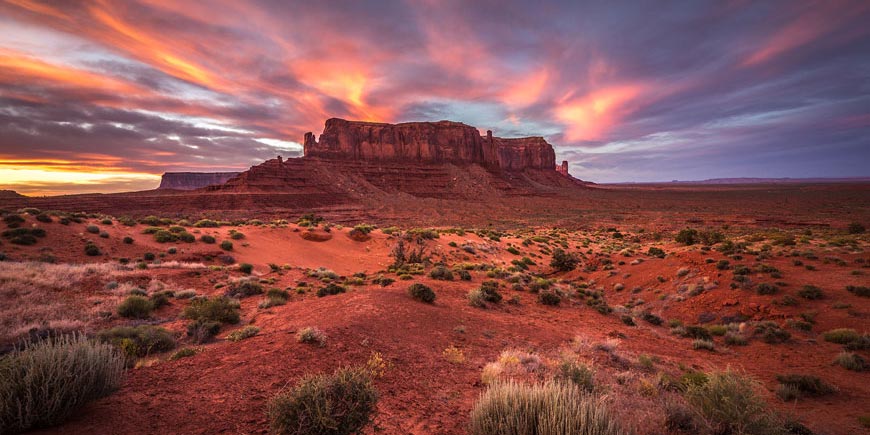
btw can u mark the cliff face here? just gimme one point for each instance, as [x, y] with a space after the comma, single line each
[427, 142]
[193, 180]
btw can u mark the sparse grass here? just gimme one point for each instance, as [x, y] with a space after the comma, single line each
[44, 383]
[341, 403]
[330, 290]
[810, 292]
[241, 334]
[541, 409]
[806, 384]
[728, 403]
[441, 273]
[138, 341]
[243, 288]
[701, 344]
[184, 353]
[311, 335]
[841, 335]
[454, 355]
[851, 361]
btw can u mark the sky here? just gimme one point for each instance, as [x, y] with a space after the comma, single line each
[104, 96]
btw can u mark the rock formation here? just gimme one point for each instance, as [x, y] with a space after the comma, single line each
[427, 142]
[193, 180]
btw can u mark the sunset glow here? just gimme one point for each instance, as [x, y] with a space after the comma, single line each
[105, 95]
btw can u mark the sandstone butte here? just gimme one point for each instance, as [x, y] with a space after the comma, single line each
[413, 146]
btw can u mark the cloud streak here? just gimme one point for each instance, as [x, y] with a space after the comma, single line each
[624, 91]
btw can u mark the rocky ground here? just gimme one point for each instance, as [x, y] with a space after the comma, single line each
[438, 356]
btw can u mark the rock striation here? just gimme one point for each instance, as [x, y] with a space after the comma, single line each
[427, 142]
[194, 180]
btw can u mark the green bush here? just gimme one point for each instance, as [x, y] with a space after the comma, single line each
[93, 229]
[92, 250]
[205, 238]
[128, 240]
[206, 223]
[341, 403]
[136, 307]
[183, 353]
[244, 288]
[246, 268]
[235, 235]
[541, 409]
[729, 404]
[549, 298]
[766, 289]
[202, 330]
[841, 335]
[651, 318]
[441, 273]
[421, 293]
[772, 333]
[655, 252]
[330, 289]
[44, 383]
[464, 275]
[563, 261]
[138, 341]
[163, 236]
[13, 220]
[186, 237]
[227, 245]
[220, 309]
[687, 236]
[810, 292]
[861, 291]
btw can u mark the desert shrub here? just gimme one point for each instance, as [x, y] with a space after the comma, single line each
[476, 299]
[186, 237]
[42, 217]
[160, 299]
[698, 332]
[442, 273]
[810, 292]
[723, 265]
[227, 245]
[241, 334]
[563, 261]
[235, 235]
[549, 298]
[851, 361]
[206, 223]
[862, 291]
[219, 309]
[651, 318]
[311, 335]
[92, 250]
[341, 403]
[655, 252]
[330, 289]
[541, 409]
[163, 236]
[138, 341]
[687, 236]
[806, 384]
[766, 289]
[421, 293]
[728, 404]
[855, 228]
[701, 344]
[202, 331]
[576, 373]
[183, 353]
[135, 307]
[841, 335]
[275, 296]
[128, 240]
[717, 330]
[244, 288]
[44, 383]
[246, 268]
[205, 238]
[772, 333]
[93, 229]
[735, 339]
[13, 220]
[464, 275]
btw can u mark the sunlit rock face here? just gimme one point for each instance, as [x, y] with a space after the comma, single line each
[427, 142]
[193, 180]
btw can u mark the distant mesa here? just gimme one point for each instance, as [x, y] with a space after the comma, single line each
[428, 142]
[10, 194]
[194, 180]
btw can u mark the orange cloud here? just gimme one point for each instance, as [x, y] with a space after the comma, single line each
[591, 116]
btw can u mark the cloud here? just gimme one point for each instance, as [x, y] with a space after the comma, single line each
[624, 92]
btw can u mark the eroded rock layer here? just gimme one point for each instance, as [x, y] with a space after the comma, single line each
[193, 180]
[427, 142]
